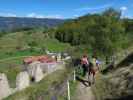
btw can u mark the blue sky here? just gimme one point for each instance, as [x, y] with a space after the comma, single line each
[62, 8]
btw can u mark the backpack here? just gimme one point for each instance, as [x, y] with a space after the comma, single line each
[91, 65]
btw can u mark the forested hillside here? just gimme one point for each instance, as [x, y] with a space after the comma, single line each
[104, 33]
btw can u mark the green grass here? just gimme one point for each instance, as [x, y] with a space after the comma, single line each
[41, 89]
[12, 65]
[5, 55]
[11, 68]
[55, 45]
[11, 58]
[73, 89]
[12, 43]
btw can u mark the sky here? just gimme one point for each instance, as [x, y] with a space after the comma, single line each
[62, 8]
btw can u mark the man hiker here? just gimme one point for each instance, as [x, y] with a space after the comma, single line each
[93, 68]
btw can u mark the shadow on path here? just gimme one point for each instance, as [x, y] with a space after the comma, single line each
[84, 82]
[84, 91]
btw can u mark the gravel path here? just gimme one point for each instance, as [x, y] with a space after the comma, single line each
[84, 92]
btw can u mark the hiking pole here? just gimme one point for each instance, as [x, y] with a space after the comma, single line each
[68, 89]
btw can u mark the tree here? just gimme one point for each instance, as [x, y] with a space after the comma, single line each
[112, 13]
[103, 33]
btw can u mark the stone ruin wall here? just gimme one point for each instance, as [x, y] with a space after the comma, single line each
[35, 70]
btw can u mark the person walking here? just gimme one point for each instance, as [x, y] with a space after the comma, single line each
[98, 63]
[93, 69]
[85, 63]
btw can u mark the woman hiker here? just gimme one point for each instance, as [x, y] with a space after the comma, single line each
[85, 64]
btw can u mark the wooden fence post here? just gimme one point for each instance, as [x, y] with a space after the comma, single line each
[68, 89]
[74, 76]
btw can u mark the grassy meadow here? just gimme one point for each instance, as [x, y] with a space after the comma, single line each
[14, 47]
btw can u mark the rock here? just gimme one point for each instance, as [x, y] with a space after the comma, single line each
[38, 75]
[35, 71]
[131, 66]
[38, 70]
[4, 86]
[32, 68]
[44, 67]
[115, 81]
[22, 80]
[47, 67]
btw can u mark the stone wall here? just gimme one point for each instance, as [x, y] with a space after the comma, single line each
[22, 80]
[5, 89]
[36, 71]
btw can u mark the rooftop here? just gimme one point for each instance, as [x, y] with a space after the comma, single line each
[42, 59]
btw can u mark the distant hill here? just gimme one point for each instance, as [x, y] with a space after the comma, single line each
[11, 23]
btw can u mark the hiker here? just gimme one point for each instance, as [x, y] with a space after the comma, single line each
[91, 74]
[93, 69]
[85, 63]
[98, 64]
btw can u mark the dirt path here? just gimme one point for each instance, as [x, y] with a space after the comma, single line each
[84, 92]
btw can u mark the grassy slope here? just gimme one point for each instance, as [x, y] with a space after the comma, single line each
[10, 42]
[11, 68]
[41, 89]
[52, 85]
[14, 46]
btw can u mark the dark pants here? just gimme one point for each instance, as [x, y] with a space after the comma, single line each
[85, 69]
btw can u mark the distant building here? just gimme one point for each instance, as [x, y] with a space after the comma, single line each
[41, 59]
[48, 64]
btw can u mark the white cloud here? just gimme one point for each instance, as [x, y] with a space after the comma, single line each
[124, 8]
[54, 16]
[31, 15]
[94, 8]
[75, 15]
[35, 15]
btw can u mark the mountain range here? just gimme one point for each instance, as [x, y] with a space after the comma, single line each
[11, 23]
